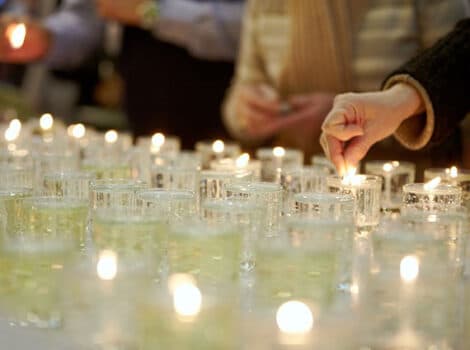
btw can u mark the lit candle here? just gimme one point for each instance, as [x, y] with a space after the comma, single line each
[16, 35]
[366, 190]
[111, 137]
[46, 122]
[395, 174]
[218, 148]
[453, 176]
[431, 196]
[295, 322]
[157, 141]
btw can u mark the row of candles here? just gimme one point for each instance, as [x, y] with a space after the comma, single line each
[226, 156]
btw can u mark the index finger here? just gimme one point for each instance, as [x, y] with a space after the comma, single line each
[335, 153]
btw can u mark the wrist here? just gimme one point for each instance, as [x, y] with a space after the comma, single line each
[408, 102]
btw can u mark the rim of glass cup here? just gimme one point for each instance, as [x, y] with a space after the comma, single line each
[297, 220]
[158, 194]
[13, 192]
[237, 205]
[198, 228]
[125, 215]
[254, 187]
[55, 202]
[441, 189]
[224, 174]
[366, 181]
[72, 175]
[323, 197]
[117, 184]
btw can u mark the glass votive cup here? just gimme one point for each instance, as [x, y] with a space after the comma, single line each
[107, 169]
[410, 265]
[418, 197]
[32, 280]
[175, 177]
[452, 176]
[54, 162]
[57, 217]
[244, 214]
[321, 161]
[132, 232]
[12, 218]
[12, 176]
[366, 190]
[211, 150]
[266, 194]
[309, 251]
[68, 184]
[394, 175]
[274, 160]
[229, 164]
[112, 193]
[314, 178]
[160, 144]
[20, 157]
[213, 183]
[209, 251]
[172, 205]
[332, 206]
[187, 314]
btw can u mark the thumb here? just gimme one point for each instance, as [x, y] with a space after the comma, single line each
[357, 149]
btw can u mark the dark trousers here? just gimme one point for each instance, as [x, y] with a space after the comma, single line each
[170, 91]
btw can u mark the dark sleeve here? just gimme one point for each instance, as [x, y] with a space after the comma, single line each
[444, 72]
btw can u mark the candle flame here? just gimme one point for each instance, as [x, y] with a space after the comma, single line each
[218, 146]
[78, 131]
[279, 152]
[409, 268]
[388, 167]
[453, 172]
[15, 124]
[46, 121]
[158, 139]
[243, 160]
[106, 268]
[111, 136]
[16, 35]
[187, 301]
[11, 134]
[294, 317]
[349, 176]
[431, 185]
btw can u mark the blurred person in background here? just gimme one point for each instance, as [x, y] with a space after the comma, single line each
[296, 55]
[175, 56]
[422, 102]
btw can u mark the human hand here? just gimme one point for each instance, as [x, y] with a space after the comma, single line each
[357, 121]
[22, 40]
[258, 109]
[123, 11]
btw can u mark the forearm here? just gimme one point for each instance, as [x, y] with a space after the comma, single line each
[208, 30]
[441, 75]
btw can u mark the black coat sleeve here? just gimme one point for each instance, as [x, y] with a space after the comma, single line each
[444, 72]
